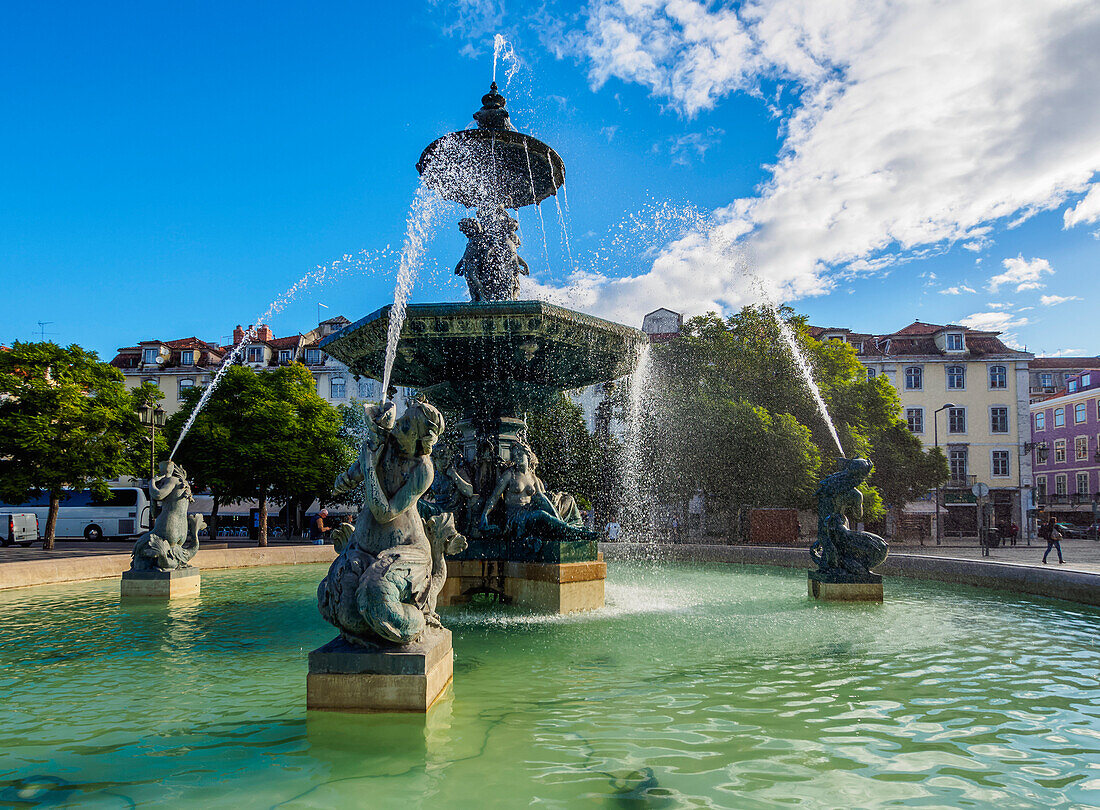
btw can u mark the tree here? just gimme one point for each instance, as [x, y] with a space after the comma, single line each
[267, 436]
[904, 471]
[66, 420]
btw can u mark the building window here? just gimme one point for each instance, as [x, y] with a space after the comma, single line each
[957, 459]
[914, 418]
[186, 384]
[1059, 451]
[998, 377]
[956, 420]
[956, 377]
[914, 378]
[1041, 453]
[366, 389]
[1041, 420]
[187, 358]
[1046, 380]
[255, 354]
[336, 388]
[1000, 463]
[1041, 487]
[1071, 386]
[1086, 380]
[1079, 413]
[870, 374]
[1081, 448]
[1060, 484]
[313, 357]
[954, 342]
[151, 381]
[149, 356]
[284, 356]
[1059, 417]
[998, 420]
[1082, 483]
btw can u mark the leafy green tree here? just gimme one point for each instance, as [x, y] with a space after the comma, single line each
[267, 436]
[66, 420]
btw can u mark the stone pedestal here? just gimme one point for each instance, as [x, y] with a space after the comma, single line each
[160, 584]
[345, 677]
[831, 589]
[551, 587]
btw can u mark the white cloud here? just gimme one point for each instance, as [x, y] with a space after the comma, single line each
[959, 290]
[912, 125]
[1086, 211]
[993, 321]
[1024, 273]
[1051, 300]
[1061, 353]
[693, 145]
[609, 132]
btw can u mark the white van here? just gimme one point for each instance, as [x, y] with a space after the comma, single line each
[18, 528]
[124, 513]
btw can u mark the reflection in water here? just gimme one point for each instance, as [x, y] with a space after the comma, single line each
[696, 686]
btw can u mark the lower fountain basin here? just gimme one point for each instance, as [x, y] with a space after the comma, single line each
[492, 357]
[697, 686]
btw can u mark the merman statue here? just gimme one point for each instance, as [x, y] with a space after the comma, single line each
[383, 584]
[174, 538]
[842, 554]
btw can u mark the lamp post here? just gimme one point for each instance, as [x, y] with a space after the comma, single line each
[936, 441]
[152, 418]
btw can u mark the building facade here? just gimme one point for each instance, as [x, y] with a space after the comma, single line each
[176, 366]
[1065, 434]
[966, 392]
[1049, 375]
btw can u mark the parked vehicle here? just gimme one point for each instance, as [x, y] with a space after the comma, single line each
[1071, 532]
[19, 528]
[124, 513]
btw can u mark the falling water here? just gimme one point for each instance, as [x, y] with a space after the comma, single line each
[807, 374]
[423, 216]
[565, 234]
[633, 498]
[542, 222]
[364, 260]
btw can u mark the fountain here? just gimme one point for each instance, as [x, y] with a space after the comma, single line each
[490, 361]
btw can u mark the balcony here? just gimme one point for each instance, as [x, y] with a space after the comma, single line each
[962, 482]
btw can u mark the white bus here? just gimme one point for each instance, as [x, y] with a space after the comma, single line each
[123, 514]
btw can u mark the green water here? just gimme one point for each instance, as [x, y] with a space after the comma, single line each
[696, 687]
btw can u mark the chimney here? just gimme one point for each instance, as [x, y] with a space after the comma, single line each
[263, 332]
[238, 335]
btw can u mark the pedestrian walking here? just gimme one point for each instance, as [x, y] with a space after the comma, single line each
[1014, 532]
[1049, 532]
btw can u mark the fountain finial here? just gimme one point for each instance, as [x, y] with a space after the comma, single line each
[492, 114]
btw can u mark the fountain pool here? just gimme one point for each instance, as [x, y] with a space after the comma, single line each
[697, 686]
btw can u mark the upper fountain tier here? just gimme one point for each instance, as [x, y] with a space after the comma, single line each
[493, 164]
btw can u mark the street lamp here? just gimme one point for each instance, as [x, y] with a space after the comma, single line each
[152, 418]
[936, 441]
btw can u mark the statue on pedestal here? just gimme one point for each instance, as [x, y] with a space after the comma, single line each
[842, 554]
[491, 263]
[174, 538]
[381, 587]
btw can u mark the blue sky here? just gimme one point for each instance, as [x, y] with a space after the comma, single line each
[171, 170]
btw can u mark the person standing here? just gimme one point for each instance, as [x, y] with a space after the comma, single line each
[320, 529]
[1050, 533]
[1014, 532]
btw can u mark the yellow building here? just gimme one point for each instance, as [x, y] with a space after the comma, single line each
[967, 392]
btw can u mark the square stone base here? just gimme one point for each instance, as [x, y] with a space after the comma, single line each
[844, 591]
[345, 677]
[550, 587]
[160, 584]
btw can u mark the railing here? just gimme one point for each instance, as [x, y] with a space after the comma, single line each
[962, 482]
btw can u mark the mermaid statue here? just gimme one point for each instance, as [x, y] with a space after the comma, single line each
[841, 553]
[382, 586]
